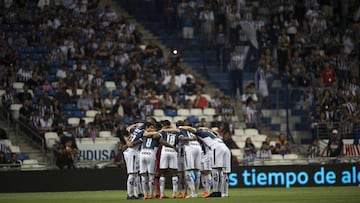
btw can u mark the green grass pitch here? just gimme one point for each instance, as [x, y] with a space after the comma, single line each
[255, 195]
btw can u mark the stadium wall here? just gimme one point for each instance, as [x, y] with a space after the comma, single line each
[115, 178]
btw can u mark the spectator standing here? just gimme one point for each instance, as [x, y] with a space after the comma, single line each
[236, 67]
[207, 19]
[335, 145]
[328, 75]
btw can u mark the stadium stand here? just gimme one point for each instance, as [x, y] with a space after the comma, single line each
[76, 42]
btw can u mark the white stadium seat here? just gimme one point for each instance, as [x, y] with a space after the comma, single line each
[158, 112]
[196, 112]
[183, 112]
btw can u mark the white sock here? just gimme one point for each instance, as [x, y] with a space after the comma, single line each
[225, 184]
[130, 185]
[175, 181]
[181, 182]
[203, 182]
[209, 181]
[197, 181]
[151, 183]
[144, 184]
[190, 181]
[162, 185]
[215, 175]
[137, 186]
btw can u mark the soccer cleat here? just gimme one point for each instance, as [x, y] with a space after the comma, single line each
[146, 196]
[163, 197]
[215, 194]
[180, 195]
[205, 195]
[191, 196]
[174, 196]
[131, 197]
[224, 195]
[151, 196]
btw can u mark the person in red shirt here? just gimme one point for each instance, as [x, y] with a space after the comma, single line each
[328, 75]
[200, 101]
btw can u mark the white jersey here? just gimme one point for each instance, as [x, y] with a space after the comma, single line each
[4, 144]
[192, 152]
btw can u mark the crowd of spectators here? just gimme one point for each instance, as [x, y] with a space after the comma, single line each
[311, 46]
[65, 52]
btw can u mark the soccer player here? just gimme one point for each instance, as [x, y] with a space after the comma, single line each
[192, 161]
[169, 157]
[150, 143]
[131, 156]
[221, 158]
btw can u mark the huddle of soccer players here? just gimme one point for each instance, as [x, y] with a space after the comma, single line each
[189, 154]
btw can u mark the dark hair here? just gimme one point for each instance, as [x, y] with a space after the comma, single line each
[165, 123]
[180, 123]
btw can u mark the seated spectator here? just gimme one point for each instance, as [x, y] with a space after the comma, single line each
[154, 99]
[46, 87]
[167, 101]
[93, 131]
[200, 101]
[203, 122]
[25, 94]
[313, 151]
[81, 130]
[215, 99]
[226, 110]
[109, 102]
[60, 122]
[84, 102]
[14, 162]
[249, 151]
[249, 93]
[216, 122]
[249, 145]
[264, 151]
[63, 96]
[25, 111]
[189, 86]
[282, 146]
[46, 123]
[98, 103]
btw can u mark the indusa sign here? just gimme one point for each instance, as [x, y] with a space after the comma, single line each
[295, 176]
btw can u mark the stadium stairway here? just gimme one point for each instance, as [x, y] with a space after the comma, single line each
[26, 146]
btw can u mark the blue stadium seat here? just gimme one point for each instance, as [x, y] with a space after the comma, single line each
[128, 121]
[170, 112]
[69, 107]
[193, 119]
[116, 93]
[78, 114]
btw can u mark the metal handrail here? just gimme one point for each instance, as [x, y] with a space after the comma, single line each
[24, 129]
